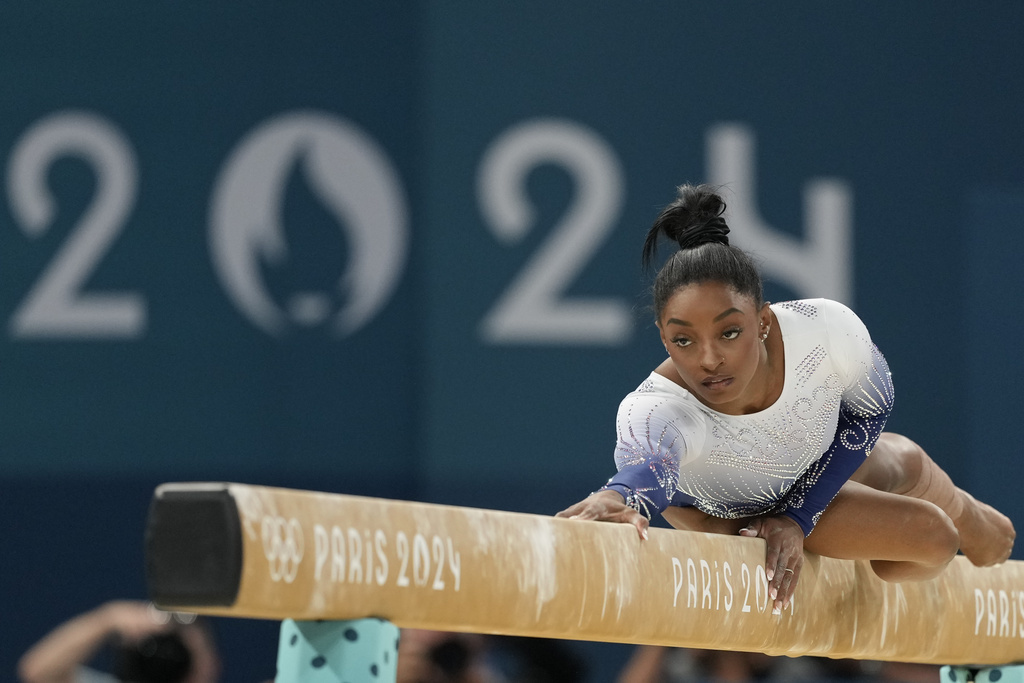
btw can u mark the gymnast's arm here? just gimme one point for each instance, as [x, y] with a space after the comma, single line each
[812, 493]
[647, 455]
[863, 411]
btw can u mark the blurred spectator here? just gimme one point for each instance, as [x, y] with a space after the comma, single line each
[534, 660]
[441, 657]
[148, 646]
[898, 672]
[651, 664]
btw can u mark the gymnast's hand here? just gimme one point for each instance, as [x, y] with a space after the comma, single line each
[785, 557]
[607, 506]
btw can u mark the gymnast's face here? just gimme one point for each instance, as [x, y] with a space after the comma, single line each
[713, 336]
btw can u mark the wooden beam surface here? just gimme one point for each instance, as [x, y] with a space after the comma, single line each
[249, 551]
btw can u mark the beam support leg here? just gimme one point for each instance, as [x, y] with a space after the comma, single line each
[359, 651]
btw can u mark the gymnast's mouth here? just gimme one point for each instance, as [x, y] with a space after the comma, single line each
[717, 381]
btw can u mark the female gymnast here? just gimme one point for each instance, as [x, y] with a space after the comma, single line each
[766, 421]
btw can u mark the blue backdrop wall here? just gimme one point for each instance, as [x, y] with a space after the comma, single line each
[392, 248]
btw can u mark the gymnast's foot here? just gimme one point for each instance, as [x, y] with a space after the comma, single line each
[986, 535]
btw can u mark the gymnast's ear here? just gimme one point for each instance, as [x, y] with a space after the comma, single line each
[764, 317]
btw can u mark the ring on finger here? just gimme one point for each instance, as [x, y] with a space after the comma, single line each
[787, 569]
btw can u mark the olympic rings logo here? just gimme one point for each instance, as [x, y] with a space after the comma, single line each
[283, 547]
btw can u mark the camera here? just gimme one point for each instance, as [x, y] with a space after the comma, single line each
[159, 658]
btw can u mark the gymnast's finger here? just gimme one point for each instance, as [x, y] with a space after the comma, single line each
[752, 529]
[639, 521]
[573, 510]
[789, 575]
[772, 561]
[786, 588]
[604, 506]
[777, 585]
[620, 512]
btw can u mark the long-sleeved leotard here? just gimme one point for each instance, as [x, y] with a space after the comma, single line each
[791, 458]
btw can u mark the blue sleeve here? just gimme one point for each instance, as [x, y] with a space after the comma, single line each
[863, 411]
[640, 485]
[650, 446]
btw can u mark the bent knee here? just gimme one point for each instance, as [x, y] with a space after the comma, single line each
[899, 463]
[937, 535]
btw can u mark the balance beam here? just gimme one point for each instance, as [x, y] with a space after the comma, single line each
[260, 552]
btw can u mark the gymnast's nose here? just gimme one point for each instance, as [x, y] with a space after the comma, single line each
[711, 358]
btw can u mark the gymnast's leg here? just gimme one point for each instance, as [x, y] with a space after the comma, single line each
[899, 510]
[905, 538]
[898, 465]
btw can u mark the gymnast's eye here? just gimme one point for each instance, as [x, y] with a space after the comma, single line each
[732, 334]
[681, 342]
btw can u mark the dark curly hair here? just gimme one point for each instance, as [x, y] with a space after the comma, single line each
[694, 221]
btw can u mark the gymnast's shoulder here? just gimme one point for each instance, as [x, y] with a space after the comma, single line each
[659, 396]
[816, 316]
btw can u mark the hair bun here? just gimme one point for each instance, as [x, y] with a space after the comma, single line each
[693, 219]
[712, 230]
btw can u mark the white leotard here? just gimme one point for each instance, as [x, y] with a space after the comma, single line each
[790, 458]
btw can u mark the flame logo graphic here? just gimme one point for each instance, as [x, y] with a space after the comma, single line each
[353, 179]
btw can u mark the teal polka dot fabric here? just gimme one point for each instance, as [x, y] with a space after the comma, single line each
[999, 674]
[361, 651]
